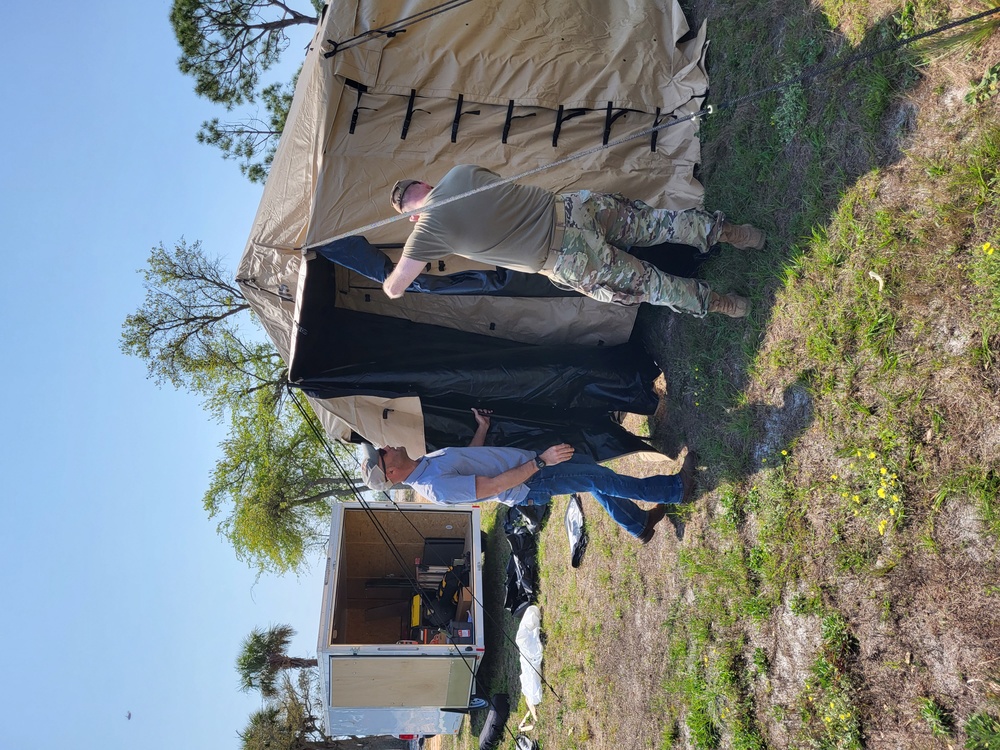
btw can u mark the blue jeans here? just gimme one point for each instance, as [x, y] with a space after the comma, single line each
[614, 492]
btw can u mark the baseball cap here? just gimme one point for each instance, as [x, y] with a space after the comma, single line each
[397, 193]
[371, 472]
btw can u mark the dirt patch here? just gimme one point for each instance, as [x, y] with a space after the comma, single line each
[791, 643]
[781, 423]
[926, 629]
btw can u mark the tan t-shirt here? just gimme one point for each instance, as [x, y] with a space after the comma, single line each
[509, 226]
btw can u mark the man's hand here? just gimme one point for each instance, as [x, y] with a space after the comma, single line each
[557, 454]
[402, 276]
[482, 417]
[482, 427]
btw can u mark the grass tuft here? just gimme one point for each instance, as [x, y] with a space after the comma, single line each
[982, 732]
[938, 719]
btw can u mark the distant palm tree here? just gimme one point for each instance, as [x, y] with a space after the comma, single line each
[263, 654]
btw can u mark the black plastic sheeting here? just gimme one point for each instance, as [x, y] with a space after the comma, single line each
[522, 565]
[540, 395]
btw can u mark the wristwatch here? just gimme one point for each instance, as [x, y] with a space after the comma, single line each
[539, 463]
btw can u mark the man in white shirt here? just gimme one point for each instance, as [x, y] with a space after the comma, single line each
[520, 477]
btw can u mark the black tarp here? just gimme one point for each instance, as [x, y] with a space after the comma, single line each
[540, 395]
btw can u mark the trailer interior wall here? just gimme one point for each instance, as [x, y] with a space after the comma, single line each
[367, 613]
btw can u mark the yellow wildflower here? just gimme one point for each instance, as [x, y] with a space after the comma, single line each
[833, 476]
[881, 492]
[858, 454]
[883, 470]
[988, 248]
[784, 453]
[895, 498]
[881, 526]
[856, 499]
[892, 511]
[871, 455]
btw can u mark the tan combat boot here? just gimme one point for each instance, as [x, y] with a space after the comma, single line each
[741, 236]
[730, 304]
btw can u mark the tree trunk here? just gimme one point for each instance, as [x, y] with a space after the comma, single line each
[342, 492]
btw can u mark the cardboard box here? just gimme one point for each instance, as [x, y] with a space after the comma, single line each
[464, 605]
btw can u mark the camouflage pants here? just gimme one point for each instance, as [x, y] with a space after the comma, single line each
[593, 260]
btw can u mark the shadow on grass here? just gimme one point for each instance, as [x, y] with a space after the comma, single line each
[780, 162]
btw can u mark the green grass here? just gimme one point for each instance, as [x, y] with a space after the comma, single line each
[708, 678]
[982, 732]
[829, 718]
[938, 719]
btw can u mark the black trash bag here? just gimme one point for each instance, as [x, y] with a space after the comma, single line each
[530, 516]
[492, 732]
[575, 530]
[522, 571]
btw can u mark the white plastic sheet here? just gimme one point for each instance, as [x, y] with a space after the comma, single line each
[529, 643]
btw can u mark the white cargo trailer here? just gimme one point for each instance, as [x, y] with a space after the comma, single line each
[384, 668]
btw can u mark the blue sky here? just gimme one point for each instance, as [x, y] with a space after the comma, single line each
[118, 594]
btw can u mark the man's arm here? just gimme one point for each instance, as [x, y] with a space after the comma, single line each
[492, 486]
[402, 276]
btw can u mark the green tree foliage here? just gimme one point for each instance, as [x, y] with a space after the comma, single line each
[188, 329]
[252, 141]
[227, 44]
[263, 655]
[290, 721]
[274, 485]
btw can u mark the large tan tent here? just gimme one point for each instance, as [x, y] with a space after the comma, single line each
[510, 86]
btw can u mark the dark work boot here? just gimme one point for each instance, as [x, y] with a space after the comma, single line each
[730, 304]
[653, 516]
[687, 475]
[741, 236]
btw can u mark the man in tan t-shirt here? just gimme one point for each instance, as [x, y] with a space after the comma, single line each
[578, 240]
